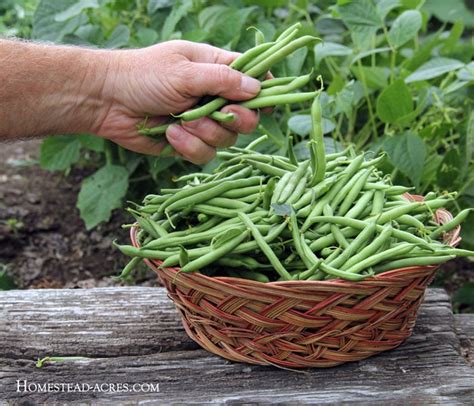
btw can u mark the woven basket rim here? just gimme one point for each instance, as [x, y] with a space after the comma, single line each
[441, 216]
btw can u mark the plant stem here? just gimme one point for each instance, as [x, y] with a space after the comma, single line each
[367, 98]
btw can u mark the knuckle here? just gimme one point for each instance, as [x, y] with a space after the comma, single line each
[226, 77]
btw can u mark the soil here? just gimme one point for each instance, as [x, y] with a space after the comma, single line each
[43, 241]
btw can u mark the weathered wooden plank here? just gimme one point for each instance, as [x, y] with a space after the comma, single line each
[101, 322]
[427, 369]
[464, 324]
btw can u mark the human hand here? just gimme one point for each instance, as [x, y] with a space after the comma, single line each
[170, 78]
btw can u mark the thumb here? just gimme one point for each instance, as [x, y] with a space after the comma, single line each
[218, 79]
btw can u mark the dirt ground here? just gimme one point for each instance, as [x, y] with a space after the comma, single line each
[43, 241]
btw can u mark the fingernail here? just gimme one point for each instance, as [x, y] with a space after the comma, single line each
[174, 132]
[249, 85]
[191, 124]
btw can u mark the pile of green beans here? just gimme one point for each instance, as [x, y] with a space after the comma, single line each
[255, 62]
[272, 218]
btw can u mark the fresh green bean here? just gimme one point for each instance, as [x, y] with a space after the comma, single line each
[451, 224]
[265, 247]
[270, 101]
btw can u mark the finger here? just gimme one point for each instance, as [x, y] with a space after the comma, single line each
[246, 120]
[211, 132]
[142, 144]
[205, 53]
[189, 146]
[216, 79]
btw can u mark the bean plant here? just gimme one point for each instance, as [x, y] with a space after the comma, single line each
[397, 79]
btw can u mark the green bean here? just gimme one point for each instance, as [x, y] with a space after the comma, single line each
[396, 212]
[297, 26]
[277, 81]
[297, 193]
[266, 168]
[242, 192]
[287, 88]
[352, 194]
[290, 152]
[297, 240]
[378, 202]
[270, 101]
[278, 55]
[410, 221]
[333, 255]
[370, 249]
[215, 254]
[360, 205]
[254, 143]
[280, 186]
[451, 224]
[267, 195]
[253, 275]
[214, 191]
[297, 176]
[132, 264]
[202, 111]
[249, 55]
[336, 232]
[262, 56]
[191, 176]
[265, 247]
[342, 274]
[354, 246]
[361, 225]
[238, 261]
[381, 256]
[317, 146]
[412, 262]
[222, 117]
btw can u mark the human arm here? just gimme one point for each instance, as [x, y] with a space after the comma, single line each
[49, 90]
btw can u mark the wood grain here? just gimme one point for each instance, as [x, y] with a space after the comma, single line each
[134, 336]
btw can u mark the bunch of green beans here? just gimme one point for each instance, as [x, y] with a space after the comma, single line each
[255, 62]
[272, 218]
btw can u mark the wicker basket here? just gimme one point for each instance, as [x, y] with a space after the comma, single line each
[299, 324]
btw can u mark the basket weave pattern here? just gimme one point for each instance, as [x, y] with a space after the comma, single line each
[299, 324]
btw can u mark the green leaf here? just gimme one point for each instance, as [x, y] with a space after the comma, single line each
[431, 169]
[375, 76]
[60, 152]
[394, 103]
[467, 73]
[271, 127]
[385, 6]
[101, 193]
[6, 281]
[450, 11]
[45, 26]
[146, 37]
[119, 37]
[448, 172]
[75, 10]
[404, 28]
[283, 210]
[183, 256]
[224, 24]
[92, 142]
[155, 5]
[301, 124]
[294, 63]
[360, 15]
[435, 67]
[465, 295]
[362, 55]
[177, 13]
[407, 153]
[325, 49]
[225, 236]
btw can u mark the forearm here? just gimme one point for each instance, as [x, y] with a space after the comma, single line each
[49, 89]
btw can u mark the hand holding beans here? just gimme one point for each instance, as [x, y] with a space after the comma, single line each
[167, 79]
